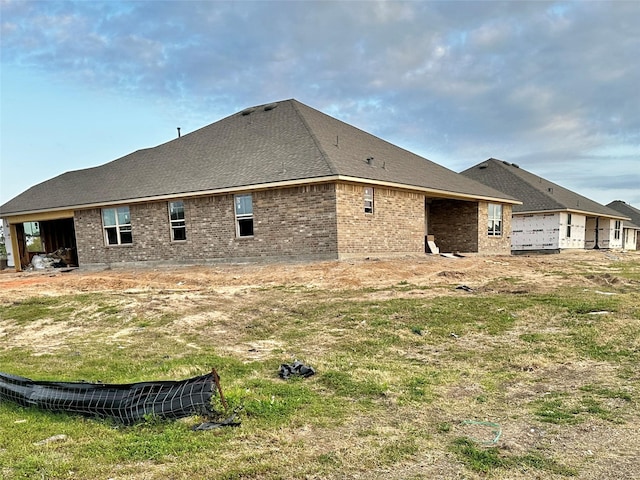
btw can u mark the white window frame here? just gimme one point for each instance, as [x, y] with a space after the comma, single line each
[243, 214]
[494, 217]
[617, 226]
[121, 228]
[368, 200]
[178, 223]
[568, 225]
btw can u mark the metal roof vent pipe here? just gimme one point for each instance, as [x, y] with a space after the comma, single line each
[370, 161]
[178, 132]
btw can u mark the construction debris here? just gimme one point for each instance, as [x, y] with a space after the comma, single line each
[124, 403]
[62, 257]
[297, 368]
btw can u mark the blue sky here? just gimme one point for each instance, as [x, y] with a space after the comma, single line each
[552, 86]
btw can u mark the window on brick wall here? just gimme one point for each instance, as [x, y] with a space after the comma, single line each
[568, 225]
[244, 215]
[495, 220]
[176, 218]
[368, 200]
[616, 229]
[116, 223]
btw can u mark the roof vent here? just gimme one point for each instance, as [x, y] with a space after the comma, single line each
[505, 162]
[248, 111]
[550, 189]
[270, 106]
[515, 165]
[482, 166]
[370, 161]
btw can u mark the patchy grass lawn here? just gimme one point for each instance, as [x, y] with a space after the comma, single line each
[415, 379]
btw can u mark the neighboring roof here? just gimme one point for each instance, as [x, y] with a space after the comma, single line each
[536, 193]
[628, 211]
[269, 144]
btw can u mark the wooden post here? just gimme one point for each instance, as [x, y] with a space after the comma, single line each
[216, 379]
[17, 259]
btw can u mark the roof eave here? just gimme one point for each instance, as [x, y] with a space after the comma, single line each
[265, 186]
[571, 210]
[433, 191]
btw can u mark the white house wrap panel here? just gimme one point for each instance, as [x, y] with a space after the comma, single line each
[572, 230]
[535, 232]
[551, 217]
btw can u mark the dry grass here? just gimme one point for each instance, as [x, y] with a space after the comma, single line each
[403, 359]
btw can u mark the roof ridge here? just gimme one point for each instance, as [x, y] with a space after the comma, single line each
[547, 188]
[627, 209]
[625, 204]
[294, 104]
[504, 165]
[545, 192]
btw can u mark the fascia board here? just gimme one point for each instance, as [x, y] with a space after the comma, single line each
[433, 191]
[42, 215]
[571, 210]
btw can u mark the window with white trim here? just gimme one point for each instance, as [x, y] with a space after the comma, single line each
[568, 225]
[117, 226]
[495, 220]
[368, 200]
[616, 229]
[176, 218]
[244, 215]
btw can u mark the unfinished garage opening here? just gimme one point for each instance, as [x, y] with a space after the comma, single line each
[454, 224]
[46, 237]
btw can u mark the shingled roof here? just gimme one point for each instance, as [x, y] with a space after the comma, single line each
[280, 143]
[536, 193]
[628, 211]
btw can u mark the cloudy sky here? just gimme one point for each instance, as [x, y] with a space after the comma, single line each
[552, 86]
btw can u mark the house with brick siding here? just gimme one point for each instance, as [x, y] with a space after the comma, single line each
[551, 218]
[280, 181]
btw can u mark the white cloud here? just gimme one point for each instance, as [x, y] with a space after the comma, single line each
[540, 81]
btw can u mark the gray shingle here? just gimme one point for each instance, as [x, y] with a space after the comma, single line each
[536, 193]
[628, 211]
[288, 143]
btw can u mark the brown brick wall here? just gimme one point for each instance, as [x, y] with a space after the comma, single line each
[460, 226]
[454, 225]
[494, 245]
[306, 222]
[396, 225]
[295, 222]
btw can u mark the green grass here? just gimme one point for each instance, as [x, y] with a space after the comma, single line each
[392, 381]
[589, 404]
[627, 269]
[49, 308]
[486, 460]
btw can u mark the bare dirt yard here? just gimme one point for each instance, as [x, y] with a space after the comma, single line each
[473, 271]
[557, 375]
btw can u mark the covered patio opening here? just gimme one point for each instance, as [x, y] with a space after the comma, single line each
[33, 236]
